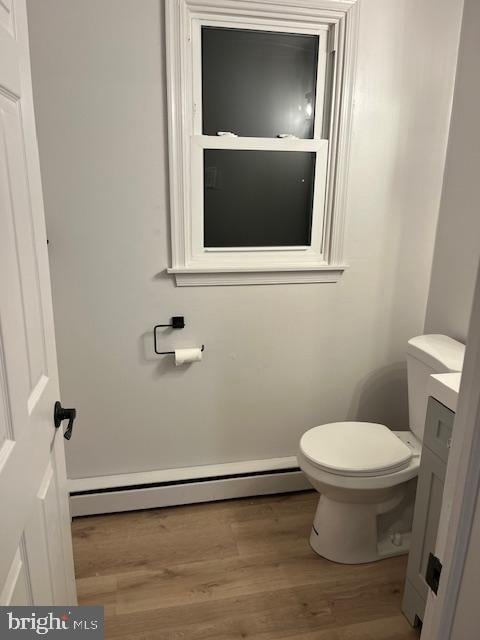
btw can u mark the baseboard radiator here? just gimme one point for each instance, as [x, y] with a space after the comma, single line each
[129, 492]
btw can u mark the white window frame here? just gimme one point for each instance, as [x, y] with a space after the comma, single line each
[335, 23]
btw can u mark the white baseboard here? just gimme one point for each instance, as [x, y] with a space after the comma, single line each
[128, 492]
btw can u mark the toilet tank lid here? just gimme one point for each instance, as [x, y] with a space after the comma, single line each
[440, 353]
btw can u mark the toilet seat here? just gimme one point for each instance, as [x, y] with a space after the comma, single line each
[355, 449]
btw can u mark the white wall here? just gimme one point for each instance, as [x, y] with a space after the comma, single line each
[279, 359]
[457, 247]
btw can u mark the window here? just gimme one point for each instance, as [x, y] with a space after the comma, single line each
[259, 111]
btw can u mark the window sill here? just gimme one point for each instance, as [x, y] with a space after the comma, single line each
[197, 277]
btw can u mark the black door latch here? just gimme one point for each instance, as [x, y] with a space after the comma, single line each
[60, 414]
[434, 570]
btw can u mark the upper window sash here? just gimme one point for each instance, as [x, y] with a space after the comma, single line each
[321, 32]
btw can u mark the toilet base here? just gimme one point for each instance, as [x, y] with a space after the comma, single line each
[358, 533]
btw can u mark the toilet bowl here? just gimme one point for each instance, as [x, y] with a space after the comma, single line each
[347, 524]
[366, 474]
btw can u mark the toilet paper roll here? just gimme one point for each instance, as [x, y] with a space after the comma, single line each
[183, 356]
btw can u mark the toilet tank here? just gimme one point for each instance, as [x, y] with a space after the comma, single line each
[426, 355]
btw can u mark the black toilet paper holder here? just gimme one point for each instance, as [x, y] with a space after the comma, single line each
[178, 322]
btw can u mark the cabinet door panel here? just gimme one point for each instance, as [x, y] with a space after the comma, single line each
[425, 522]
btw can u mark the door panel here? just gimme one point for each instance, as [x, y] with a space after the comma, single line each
[6, 17]
[36, 563]
[16, 590]
[48, 537]
[24, 239]
[47, 508]
[6, 426]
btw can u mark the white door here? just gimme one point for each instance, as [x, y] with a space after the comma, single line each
[36, 564]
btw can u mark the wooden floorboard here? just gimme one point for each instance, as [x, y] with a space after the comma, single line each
[231, 570]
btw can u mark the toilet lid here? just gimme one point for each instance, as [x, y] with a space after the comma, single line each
[355, 449]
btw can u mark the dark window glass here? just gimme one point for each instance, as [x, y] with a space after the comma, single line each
[258, 198]
[258, 83]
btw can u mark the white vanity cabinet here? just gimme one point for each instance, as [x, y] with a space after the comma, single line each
[431, 477]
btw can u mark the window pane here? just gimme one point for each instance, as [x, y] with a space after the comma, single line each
[258, 198]
[258, 83]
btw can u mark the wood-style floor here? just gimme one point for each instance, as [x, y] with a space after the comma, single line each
[231, 570]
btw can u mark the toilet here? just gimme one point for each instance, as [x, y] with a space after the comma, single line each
[366, 474]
